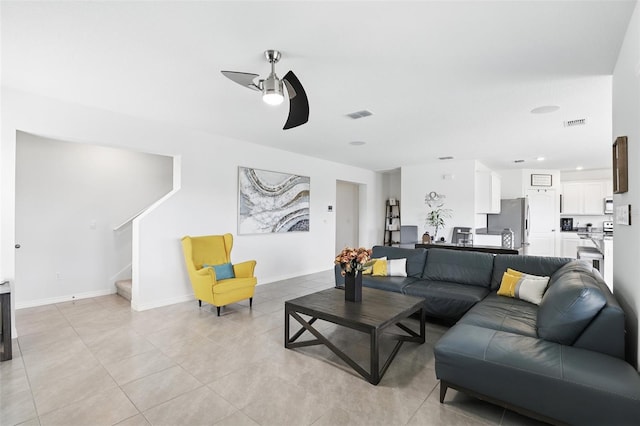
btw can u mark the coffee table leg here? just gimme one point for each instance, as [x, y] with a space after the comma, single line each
[374, 372]
[286, 327]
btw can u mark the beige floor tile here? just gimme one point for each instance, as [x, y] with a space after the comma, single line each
[100, 408]
[13, 381]
[50, 396]
[17, 407]
[135, 367]
[49, 322]
[138, 420]
[436, 414]
[160, 387]
[117, 346]
[237, 419]
[467, 405]
[39, 341]
[200, 406]
[31, 422]
[57, 362]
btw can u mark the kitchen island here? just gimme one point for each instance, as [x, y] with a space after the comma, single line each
[480, 248]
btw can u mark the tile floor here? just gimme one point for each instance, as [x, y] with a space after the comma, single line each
[96, 362]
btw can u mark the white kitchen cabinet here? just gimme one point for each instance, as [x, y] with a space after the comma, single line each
[569, 243]
[583, 198]
[487, 192]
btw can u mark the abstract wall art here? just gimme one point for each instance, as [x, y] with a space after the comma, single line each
[271, 202]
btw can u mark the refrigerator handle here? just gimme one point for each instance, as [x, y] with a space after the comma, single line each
[527, 220]
[560, 203]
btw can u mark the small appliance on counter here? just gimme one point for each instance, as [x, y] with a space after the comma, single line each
[607, 227]
[566, 224]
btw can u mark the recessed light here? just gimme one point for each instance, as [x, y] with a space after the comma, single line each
[357, 143]
[540, 158]
[579, 168]
[446, 158]
[545, 109]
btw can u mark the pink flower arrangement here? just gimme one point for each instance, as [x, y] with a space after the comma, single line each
[351, 259]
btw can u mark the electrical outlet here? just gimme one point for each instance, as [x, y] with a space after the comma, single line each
[58, 275]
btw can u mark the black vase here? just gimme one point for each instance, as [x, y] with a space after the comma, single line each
[353, 287]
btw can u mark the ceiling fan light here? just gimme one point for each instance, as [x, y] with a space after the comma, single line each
[272, 92]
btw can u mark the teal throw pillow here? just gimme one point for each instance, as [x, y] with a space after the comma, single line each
[223, 272]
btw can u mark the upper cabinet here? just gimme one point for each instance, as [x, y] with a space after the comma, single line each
[584, 197]
[487, 192]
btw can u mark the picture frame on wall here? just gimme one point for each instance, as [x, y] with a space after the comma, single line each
[541, 180]
[272, 202]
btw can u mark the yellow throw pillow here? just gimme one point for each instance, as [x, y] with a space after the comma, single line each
[519, 285]
[390, 268]
[371, 268]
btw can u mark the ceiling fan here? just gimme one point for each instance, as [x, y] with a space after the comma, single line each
[272, 91]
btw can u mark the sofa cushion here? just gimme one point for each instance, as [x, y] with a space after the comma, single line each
[396, 284]
[446, 299]
[503, 314]
[415, 257]
[534, 265]
[463, 267]
[569, 306]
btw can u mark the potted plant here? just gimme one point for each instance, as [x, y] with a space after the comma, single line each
[437, 215]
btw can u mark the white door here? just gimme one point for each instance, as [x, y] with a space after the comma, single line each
[347, 215]
[543, 220]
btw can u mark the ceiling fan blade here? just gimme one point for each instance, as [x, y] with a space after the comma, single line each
[298, 102]
[242, 78]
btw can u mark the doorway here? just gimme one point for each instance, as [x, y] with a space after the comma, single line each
[543, 222]
[347, 215]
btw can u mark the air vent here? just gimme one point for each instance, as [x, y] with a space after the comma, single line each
[573, 123]
[445, 158]
[518, 161]
[360, 114]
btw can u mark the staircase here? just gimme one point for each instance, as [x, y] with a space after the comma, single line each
[123, 288]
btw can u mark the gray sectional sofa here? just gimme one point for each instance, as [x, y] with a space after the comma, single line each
[561, 361]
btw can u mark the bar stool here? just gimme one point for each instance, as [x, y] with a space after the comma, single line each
[594, 255]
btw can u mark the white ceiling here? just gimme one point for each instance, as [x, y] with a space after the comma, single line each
[442, 78]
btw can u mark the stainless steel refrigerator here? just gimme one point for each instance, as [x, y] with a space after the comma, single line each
[514, 214]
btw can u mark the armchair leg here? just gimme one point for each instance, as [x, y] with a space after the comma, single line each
[218, 309]
[250, 302]
[200, 303]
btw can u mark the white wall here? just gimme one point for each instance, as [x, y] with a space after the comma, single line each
[69, 198]
[626, 122]
[454, 179]
[206, 202]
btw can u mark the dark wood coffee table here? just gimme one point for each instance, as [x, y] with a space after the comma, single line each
[377, 311]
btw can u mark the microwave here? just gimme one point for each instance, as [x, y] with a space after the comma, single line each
[608, 205]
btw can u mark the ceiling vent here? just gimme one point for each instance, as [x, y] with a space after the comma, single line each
[573, 123]
[360, 114]
[446, 158]
[518, 161]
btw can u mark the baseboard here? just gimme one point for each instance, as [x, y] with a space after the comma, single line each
[66, 298]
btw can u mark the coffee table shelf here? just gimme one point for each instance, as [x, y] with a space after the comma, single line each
[377, 311]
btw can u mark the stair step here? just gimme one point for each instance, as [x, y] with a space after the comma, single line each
[123, 288]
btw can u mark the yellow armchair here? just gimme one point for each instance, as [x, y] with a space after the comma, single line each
[216, 250]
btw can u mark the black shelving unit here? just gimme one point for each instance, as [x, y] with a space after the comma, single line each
[392, 223]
